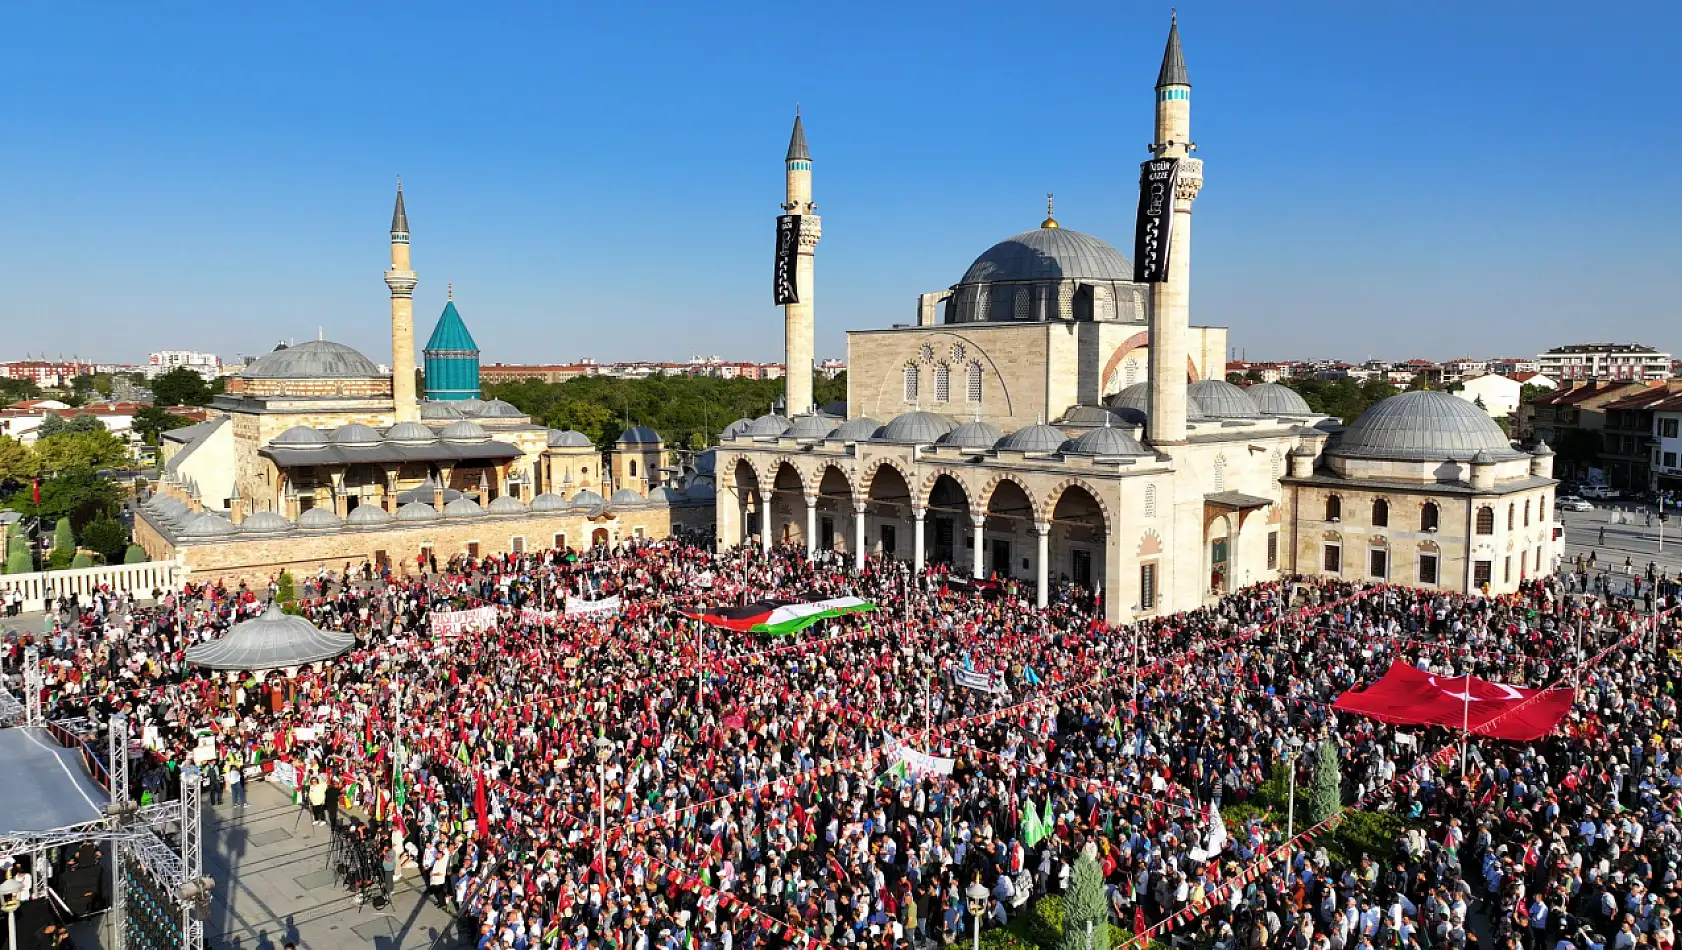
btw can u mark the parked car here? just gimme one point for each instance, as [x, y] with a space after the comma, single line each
[1572, 503]
[1599, 492]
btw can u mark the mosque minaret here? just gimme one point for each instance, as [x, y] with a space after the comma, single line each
[1171, 300]
[401, 279]
[797, 317]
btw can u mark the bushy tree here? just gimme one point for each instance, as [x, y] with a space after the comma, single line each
[81, 560]
[181, 387]
[95, 449]
[17, 460]
[18, 558]
[56, 424]
[64, 535]
[105, 535]
[286, 589]
[134, 555]
[152, 421]
[1085, 903]
[1327, 795]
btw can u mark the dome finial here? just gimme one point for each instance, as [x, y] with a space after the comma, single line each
[450, 291]
[1050, 221]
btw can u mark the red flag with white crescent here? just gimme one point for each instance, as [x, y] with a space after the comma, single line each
[1410, 696]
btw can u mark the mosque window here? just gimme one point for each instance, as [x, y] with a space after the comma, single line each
[1512, 515]
[928, 353]
[1334, 508]
[958, 353]
[1220, 473]
[1380, 513]
[942, 383]
[1527, 512]
[1021, 311]
[1486, 520]
[1428, 516]
[1147, 585]
[975, 382]
[910, 383]
[1150, 501]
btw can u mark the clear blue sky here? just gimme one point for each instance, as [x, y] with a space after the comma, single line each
[1393, 179]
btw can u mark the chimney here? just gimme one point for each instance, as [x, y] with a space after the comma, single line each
[438, 498]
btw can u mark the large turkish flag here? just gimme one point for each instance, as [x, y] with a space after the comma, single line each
[1409, 696]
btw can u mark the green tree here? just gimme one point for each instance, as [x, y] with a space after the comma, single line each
[1326, 796]
[64, 536]
[1085, 905]
[152, 421]
[181, 387]
[16, 389]
[17, 460]
[18, 558]
[106, 536]
[80, 495]
[134, 555]
[78, 424]
[286, 589]
[81, 560]
[1236, 378]
[82, 450]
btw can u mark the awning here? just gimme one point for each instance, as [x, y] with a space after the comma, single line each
[273, 641]
[1236, 500]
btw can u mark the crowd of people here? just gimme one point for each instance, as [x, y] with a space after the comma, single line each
[638, 779]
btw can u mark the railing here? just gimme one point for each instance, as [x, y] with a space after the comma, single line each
[61, 732]
[140, 579]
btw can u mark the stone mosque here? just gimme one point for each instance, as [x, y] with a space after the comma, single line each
[1051, 417]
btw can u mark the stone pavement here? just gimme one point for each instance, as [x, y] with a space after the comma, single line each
[273, 885]
[1637, 541]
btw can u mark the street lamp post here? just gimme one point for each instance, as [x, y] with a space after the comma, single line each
[977, 906]
[1137, 610]
[1295, 744]
[11, 898]
[604, 749]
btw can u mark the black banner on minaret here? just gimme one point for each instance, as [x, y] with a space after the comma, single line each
[787, 284]
[1156, 220]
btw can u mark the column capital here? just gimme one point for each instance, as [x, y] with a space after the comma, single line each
[860, 507]
[918, 513]
[979, 521]
[1042, 528]
[811, 501]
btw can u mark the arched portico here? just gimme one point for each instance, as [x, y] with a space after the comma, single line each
[949, 522]
[891, 507]
[1075, 548]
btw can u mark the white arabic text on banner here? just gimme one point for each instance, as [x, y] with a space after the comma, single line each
[607, 605]
[449, 622]
[976, 679]
[922, 763]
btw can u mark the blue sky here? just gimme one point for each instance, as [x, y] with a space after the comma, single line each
[1385, 179]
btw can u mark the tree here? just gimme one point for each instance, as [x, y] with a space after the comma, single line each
[17, 461]
[18, 558]
[1236, 378]
[1085, 904]
[151, 422]
[80, 495]
[181, 387]
[286, 589]
[1326, 797]
[82, 450]
[81, 560]
[15, 389]
[134, 555]
[64, 537]
[106, 536]
[78, 424]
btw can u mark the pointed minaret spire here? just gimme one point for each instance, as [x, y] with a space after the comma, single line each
[399, 217]
[797, 151]
[1050, 217]
[1173, 72]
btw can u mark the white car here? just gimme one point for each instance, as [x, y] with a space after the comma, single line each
[1572, 503]
[1600, 491]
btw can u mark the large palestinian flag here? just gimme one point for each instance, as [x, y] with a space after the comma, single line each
[780, 618]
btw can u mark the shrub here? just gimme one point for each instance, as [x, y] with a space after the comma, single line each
[1000, 938]
[81, 560]
[1085, 905]
[64, 539]
[286, 589]
[1369, 832]
[1042, 925]
[18, 558]
[134, 555]
[1326, 795]
[106, 536]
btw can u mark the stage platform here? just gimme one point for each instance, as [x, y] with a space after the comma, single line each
[45, 786]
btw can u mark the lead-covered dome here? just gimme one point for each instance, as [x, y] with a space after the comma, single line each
[1133, 404]
[319, 519]
[1106, 442]
[355, 433]
[300, 437]
[1049, 254]
[569, 439]
[548, 501]
[1424, 425]
[464, 430]
[365, 516]
[1219, 399]
[1035, 438]
[766, 426]
[1049, 273]
[410, 433]
[266, 522]
[811, 427]
[859, 429]
[975, 436]
[916, 428]
[313, 359]
[1276, 400]
[626, 496]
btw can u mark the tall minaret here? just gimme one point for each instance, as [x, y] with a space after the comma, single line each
[1171, 300]
[797, 317]
[401, 280]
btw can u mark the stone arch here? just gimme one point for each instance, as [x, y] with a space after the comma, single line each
[1056, 495]
[868, 478]
[821, 477]
[984, 497]
[926, 490]
[801, 481]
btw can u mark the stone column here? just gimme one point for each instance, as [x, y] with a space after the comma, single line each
[811, 526]
[978, 550]
[764, 524]
[1043, 594]
[917, 537]
[858, 535]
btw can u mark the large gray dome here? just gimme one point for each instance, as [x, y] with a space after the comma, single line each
[464, 431]
[364, 516]
[300, 437]
[812, 427]
[266, 522]
[1034, 438]
[313, 359]
[1049, 254]
[626, 496]
[860, 429]
[734, 429]
[461, 508]
[976, 436]
[317, 519]
[585, 499]
[410, 433]
[1133, 404]
[415, 511]
[765, 426]
[206, 525]
[916, 428]
[1106, 442]
[1219, 399]
[1424, 425]
[355, 433]
[506, 505]
[1276, 400]
[548, 501]
[569, 439]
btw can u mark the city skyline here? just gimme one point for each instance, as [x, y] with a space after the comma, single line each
[581, 207]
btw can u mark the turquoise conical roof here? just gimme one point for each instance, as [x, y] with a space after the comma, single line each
[451, 332]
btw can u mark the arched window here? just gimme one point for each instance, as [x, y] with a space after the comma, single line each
[633, 468]
[1542, 509]
[975, 382]
[928, 353]
[942, 383]
[1380, 513]
[1527, 512]
[958, 352]
[910, 383]
[1428, 516]
[1150, 501]
[1512, 515]
[1334, 508]
[1486, 520]
[1220, 473]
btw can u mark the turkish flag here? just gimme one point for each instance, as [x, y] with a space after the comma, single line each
[1409, 696]
[480, 812]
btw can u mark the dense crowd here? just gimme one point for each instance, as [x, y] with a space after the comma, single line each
[640, 780]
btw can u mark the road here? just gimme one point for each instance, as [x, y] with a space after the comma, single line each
[1637, 542]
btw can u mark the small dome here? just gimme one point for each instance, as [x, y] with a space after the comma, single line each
[300, 437]
[465, 431]
[767, 425]
[356, 434]
[410, 433]
[1133, 404]
[506, 505]
[1424, 425]
[860, 429]
[916, 428]
[168, 506]
[461, 508]
[424, 493]
[624, 496]
[1090, 416]
[1107, 442]
[569, 439]
[585, 499]
[974, 436]
[660, 494]
[639, 435]
[706, 462]
[417, 511]
[313, 359]
[812, 427]
[365, 516]
[1276, 400]
[470, 408]
[266, 522]
[1219, 399]
[439, 411]
[1542, 450]
[206, 525]
[735, 429]
[1034, 438]
[548, 501]
[497, 409]
[316, 519]
[699, 490]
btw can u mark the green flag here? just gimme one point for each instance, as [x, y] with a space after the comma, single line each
[895, 774]
[1032, 828]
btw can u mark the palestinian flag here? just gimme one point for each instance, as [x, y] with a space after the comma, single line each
[780, 618]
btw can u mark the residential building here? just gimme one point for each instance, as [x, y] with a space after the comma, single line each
[1464, 368]
[1572, 419]
[1666, 461]
[1514, 365]
[491, 373]
[1627, 442]
[208, 365]
[1604, 361]
[53, 373]
[1496, 394]
[832, 367]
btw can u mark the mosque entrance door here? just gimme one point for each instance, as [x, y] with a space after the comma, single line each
[1080, 565]
[1217, 565]
[598, 538]
[941, 551]
[826, 533]
[888, 540]
[1001, 557]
